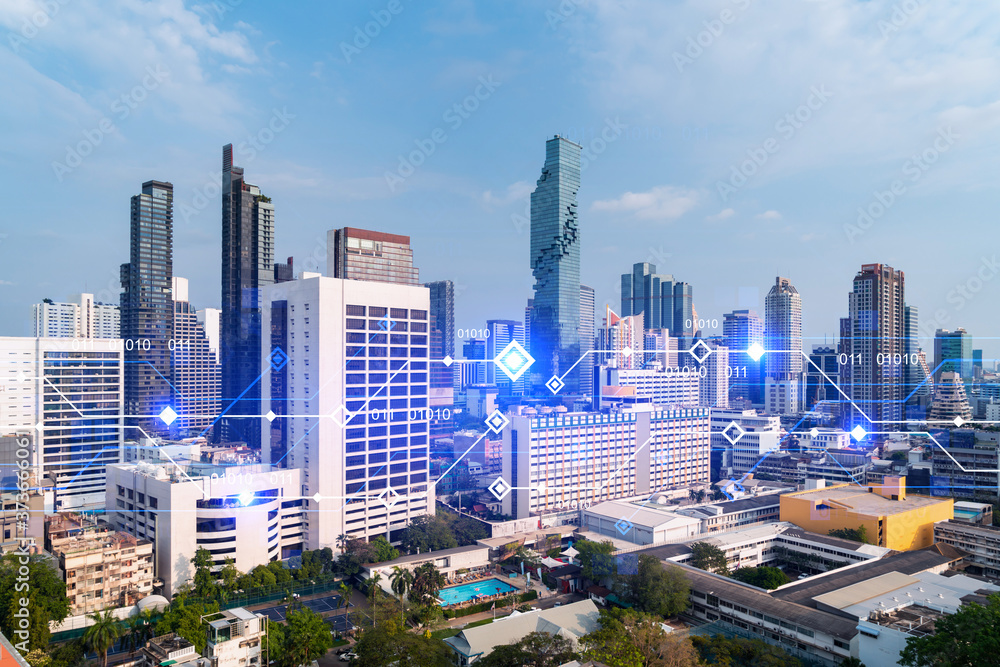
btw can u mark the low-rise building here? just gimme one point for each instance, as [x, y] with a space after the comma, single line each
[890, 517]
[733, 514]
[980, 543]
[101, 567]
[447, 561]
[571, 621]
[831, 466]
[170, 649]
[637, 523]
[237, 638]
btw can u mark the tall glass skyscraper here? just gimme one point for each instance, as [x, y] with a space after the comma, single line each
[953, 353]
[247, 266]
[664, 302]
[442, 332]
[783, 335]
[741, 329]
[147, 308]
[555, 264]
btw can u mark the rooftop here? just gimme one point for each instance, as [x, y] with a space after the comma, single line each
[430, 555]
[860, 500]
[640, 514]
[916, 620]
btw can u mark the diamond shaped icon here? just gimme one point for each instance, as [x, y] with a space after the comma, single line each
[700, 351]
[756, 351]
[859, 433]
[497, 421]
[448, 361]
[168, 415]
[277, 359]
[385, 324]
[500, 488]
[623, 525]
[555, 384]
[317, 497]
[389, 497]
[513, 360]
[541, 487]
[39, 427]
[959, 421]
[814, 432]
[627, 351]
[270, 416]
[733, 432]
[341, 415]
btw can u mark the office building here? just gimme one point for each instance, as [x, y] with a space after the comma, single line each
[555, 265]
[965, 463]
[953, 353]
[69, 395]
[918, 383]
[663, 302]
[877, 334]
[284, 272]
[473, 368]
[740, 438]
[588, 302]
[79, 317]
[645, 386]
[553, 459]
[742, 329]
[950, 402]
[442, 334]
[210, 321]
[783, 342]
[891, 517]
[253, 514]
[362, 254]
[147, 309]
[196, 376]
[101, 567]
[357, 353]
[238, 638]
[247, 267]
[660, 348]
[14, 524]
[714, 371]
[981, 543]
[620, 343]
[822, 393]
[831, 466]
[499, 335]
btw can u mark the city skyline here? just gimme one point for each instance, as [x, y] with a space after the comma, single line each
[634, 207]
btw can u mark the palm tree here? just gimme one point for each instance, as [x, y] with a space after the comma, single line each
[149, 619]
[102, 635]
[345, 594]
[427, 582]
[400, 580]
[134, 627]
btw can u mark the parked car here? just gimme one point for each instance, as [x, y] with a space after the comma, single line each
[347, 657]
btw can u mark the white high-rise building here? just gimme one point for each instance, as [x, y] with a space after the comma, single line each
[80, 317]
[783, 340]
[208, 318]
[349, 359]
[678, 387]
[714, 372]
[554, 460]
[68, 395]
[743, 437]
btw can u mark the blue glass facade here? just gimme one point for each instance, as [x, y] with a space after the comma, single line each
[555, 264]
[663, 302]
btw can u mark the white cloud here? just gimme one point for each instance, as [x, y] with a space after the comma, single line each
[769, 215]
[515, 192]
[664, 203]
[721, 215]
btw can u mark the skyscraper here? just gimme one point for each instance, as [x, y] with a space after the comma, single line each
[588, 302]
[821, 376]
[555, 264]
[147, 309]
[953, 353]
[442, 332]
[741, 329]
[621, 341]
[196, 375]
[783, 340]
[663, 302]
[877, 333]
[361, 254]
[247, 266]
[915, 389]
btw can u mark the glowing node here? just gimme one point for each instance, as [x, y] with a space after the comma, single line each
[859, 433]
[733, 432]
[814, 432]
[555, 384]
[270, 416]
[756, 351]
[513, 360]
[448, 361]
[700, 351]
[497, 421]
[277, 359]
[168, 415]
[500, 488]
[245, 498]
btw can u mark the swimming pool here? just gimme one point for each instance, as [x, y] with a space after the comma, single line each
[464, 592]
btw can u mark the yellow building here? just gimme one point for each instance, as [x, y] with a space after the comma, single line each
[890, 517]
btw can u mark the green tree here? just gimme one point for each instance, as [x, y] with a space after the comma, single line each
[345, 595]
[69, 654]
[762, 576]
[970, 636]
[400, 581]
[859, 534]
[382, 551]
[709, 557]
[537, 649]
[739, 652]
[427, 583]
[204, 580]
[427, 533]
[101, 636]
[229, 576]
[851, 662]
[655, 588]
[595, 558]
[307, 637]
[46, 597]
[380, 647]
[629, 638]
[185, 620]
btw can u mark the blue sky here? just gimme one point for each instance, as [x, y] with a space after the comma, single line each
[154, 89]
